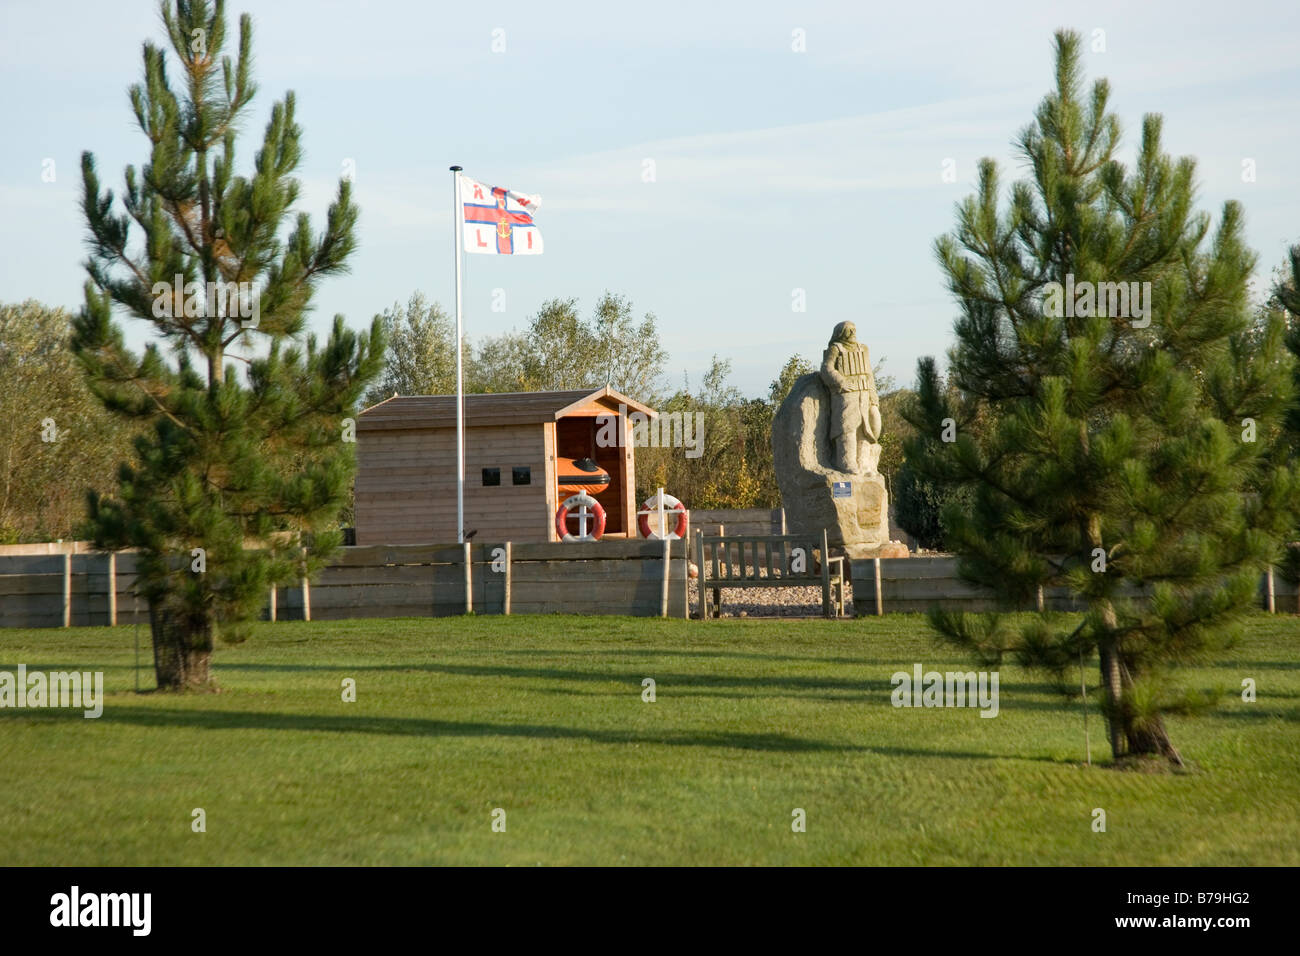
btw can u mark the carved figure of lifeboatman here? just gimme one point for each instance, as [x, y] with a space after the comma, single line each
[855, 406]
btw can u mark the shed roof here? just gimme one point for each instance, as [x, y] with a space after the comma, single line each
[497, 408]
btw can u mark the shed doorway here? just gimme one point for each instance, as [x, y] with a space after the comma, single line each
[575, 438]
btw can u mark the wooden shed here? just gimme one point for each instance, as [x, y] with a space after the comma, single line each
[406, 464]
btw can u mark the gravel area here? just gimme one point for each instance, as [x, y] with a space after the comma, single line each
[770, 602]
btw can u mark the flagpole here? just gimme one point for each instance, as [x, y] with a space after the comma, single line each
[457, 209]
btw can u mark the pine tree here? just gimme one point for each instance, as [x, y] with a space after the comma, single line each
[238, 477]
[1123, 459]
[1285, 298]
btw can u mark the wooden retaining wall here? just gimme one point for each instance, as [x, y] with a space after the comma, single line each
[914, 585]
[607, 577]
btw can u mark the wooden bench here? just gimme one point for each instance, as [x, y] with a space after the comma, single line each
[768, 561]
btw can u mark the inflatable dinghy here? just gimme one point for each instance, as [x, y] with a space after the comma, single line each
[576, 476]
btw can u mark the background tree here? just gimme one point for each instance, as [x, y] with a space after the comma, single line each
[919, 501]
[631, 353]
[1284, 304]
[560, 350]
[501, 364]
[734, 469]
[223, 462]
[1119, 457]
[56, 439]
[722, 475]
[795, 367]
[893, 427]
[421, 354]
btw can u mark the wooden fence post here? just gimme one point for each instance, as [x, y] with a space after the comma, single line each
[508, 574]
[67, 588]
[663, 600]
[112, 589]
[135, 619]
[272, 602]
[699, 573]
[663, 529]
[1269, 590]
[306, 591]
[469, 580]
[826, 574]
[686, 578]
[717, 568]
[880, 594]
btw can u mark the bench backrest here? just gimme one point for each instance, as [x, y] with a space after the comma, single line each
[762, 558]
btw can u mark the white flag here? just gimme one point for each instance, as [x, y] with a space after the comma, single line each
[499, 222]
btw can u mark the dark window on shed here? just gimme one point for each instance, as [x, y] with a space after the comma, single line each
[523, 476]
[491, 476]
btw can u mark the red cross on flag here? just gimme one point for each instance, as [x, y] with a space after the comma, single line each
[499, 222]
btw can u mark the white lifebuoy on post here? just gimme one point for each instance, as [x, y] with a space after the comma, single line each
[665, 504]
[589, 509]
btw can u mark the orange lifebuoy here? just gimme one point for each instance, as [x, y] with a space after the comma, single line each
[651, 507]
[591, 509]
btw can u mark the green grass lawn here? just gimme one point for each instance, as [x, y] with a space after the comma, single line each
[543, 717]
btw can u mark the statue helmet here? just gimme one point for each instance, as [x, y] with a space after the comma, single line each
[845, 332]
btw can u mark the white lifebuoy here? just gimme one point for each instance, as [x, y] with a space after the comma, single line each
[670, 505]
[590, 510]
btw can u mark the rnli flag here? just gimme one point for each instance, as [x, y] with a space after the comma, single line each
[499, 222]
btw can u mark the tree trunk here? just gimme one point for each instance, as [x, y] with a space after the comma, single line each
[182, 649]
[1153, 740]
[1113, 685]
[1126, 737]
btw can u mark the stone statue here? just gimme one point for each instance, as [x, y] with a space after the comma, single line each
[826, 448]
[855, 406]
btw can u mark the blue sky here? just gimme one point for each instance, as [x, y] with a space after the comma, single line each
[775, 170]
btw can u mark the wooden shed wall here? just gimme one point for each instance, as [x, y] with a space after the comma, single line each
[406, 485]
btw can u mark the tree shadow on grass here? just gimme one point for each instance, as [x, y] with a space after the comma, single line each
[873, 691]
[963, 755]
[1263, 665]
[159, 717]
[615, 657]
[698, 653]
[222, 720]
[847, 697]
[46, 667]
[760, 683]
[1263, 714]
